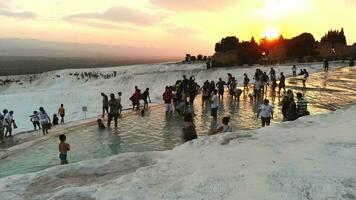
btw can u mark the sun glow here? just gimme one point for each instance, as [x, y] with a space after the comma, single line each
[271, 34]
[275, 9]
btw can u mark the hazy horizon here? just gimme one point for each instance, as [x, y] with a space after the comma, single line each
[171, 27]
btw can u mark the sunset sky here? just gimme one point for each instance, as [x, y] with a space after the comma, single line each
[193, 25]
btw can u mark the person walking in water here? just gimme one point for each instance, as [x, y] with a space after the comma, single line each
[61, 113]
[113, 110]
[7, 123]
[282, 83]
[214, 104]
[135, 98]
[146, 98]
[105, 104]
[44, 120]
[167, 98]
[63, 148]
[266, 112]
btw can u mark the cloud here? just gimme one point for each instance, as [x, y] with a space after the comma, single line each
[101, 25]
[190, 5]
[352, 2]
[21, 14]
[182, 31]
[4, 3]
[121, 15]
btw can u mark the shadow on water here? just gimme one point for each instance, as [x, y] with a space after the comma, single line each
[155, 131]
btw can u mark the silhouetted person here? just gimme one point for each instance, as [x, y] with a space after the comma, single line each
[61, 113]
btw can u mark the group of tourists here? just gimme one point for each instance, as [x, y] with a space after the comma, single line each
[41, 120]
[92, 75]
[113, 107]
[7, 123]
[212, 93]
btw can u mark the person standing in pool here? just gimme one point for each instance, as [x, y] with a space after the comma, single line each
[294, 70]
[189, 132]
[193, 89]
[326, 65]
[113, 110]
[272, 73]
[266, 112]
[305, 78]
[167, 98]
[246, 82]
[61, 113]
[105, 104]
[282, 83]
[63, 148]
[221, 87]
[214, 104]
[265, 80]
[119, 100]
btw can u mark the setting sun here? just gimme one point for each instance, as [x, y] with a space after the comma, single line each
[271, 33]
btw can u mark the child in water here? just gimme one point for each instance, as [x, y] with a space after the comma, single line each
[55, 120]
[189, 132]
[63, 149]
[101, 126]
[224, 128]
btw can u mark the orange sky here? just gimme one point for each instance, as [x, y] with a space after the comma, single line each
[191, 25]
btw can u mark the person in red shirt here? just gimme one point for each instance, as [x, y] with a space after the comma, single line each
[167, 98]
[135, 98]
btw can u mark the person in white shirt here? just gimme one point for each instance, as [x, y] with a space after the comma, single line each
[8, 121]
[224, 128]
[266, 112]
[214, 104]
[44, 120]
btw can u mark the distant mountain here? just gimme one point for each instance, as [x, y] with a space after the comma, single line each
[30, 47]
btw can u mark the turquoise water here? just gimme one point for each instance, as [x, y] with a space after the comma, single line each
[155, 131]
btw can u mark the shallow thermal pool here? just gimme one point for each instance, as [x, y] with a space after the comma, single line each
[155, 131]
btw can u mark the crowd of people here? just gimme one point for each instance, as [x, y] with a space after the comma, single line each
[212, 94]
[39, 119]
[93, 75]
[179, 98]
